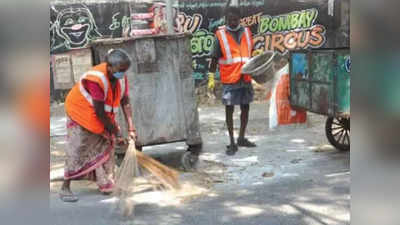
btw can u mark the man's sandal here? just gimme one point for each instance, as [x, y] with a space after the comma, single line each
[231, 149]
[244, 142]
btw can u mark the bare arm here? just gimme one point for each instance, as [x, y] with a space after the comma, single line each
[127, 110]
[213, 65]
[215, 55]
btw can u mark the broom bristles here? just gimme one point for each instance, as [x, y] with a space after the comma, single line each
[167, 176]
[125, 181]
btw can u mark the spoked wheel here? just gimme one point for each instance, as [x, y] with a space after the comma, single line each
[338, 132]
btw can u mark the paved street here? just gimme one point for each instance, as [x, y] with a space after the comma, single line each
[292, 177]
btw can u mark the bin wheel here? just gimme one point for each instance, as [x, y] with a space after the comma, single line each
[139, 148]
[189, 161]
[338, 132]
[195, 149]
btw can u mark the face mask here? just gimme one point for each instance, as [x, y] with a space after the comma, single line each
[233, 29]
[118, 75]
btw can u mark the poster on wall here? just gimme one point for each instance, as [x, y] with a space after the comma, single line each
[69, 67]
[81, 61]
[62, 71]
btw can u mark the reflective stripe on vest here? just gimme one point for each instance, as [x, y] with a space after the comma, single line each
[107, 108]
[234, 55]
[110, 108]
[83, 90]
[233, 60]
[246, 31]
[226, 45]
[229, 59]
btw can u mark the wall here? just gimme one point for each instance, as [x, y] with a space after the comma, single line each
[276, 25]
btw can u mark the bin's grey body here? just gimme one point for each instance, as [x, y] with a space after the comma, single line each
[161, 88]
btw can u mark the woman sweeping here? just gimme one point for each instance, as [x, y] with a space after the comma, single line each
[92, 129]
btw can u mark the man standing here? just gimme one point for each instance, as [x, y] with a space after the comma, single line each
[232, 49]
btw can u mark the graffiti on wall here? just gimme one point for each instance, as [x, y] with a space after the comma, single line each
[124, 23]
[75, 27]
[279, 33]
[202, 40]
[196, 5]
[201, 43]
[347, 64]
[295, 30]
[249, 21]
[187, 23]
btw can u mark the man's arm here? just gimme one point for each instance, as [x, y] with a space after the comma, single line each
[213, 65]
[215, 55]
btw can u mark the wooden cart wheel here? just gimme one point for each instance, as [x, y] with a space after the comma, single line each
[338, 132]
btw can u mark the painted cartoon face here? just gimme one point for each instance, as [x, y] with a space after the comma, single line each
[75, 26]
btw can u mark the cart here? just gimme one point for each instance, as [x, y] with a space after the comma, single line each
[320, 83]
[161, 91]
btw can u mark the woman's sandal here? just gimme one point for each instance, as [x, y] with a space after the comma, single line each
[68, 197]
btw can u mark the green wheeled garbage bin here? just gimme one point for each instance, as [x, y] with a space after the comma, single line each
[320, 83]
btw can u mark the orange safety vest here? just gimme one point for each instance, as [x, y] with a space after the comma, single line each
[79, 104]
[233, 55]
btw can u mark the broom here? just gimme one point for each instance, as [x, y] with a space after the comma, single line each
[167, 176]
[125, 179]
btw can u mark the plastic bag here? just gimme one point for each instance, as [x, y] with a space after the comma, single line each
[280, 111]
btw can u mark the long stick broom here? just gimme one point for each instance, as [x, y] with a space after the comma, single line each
[125, 179]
